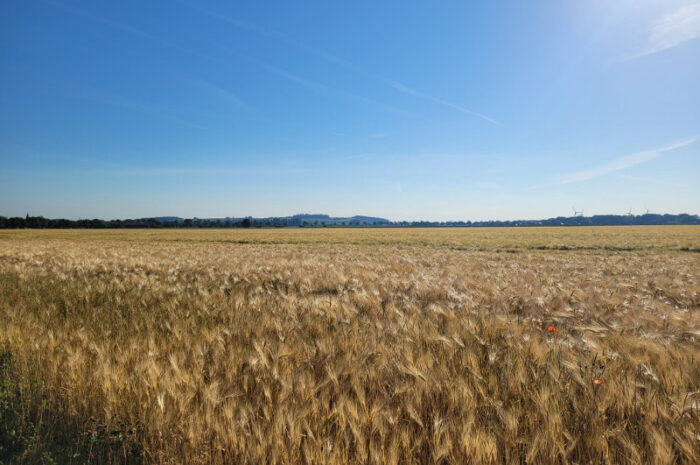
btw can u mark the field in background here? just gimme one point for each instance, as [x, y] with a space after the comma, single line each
[341, 346]
[684, 238]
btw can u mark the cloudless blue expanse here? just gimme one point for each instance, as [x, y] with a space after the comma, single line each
[407, 110]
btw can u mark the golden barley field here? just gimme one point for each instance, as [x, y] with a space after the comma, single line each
[351, 346]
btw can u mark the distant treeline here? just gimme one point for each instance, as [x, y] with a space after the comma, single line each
[39, 222]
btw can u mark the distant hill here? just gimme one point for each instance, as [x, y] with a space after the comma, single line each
[321, 220]
[310, 219]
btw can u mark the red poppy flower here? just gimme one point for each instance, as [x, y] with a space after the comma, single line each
[551, 329]
[598, 382]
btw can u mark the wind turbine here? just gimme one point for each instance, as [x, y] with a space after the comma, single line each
[577, 213]
[629, 213]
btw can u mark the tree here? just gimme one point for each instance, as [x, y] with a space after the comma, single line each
[246, 223]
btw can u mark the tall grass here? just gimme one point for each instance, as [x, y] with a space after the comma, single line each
[212, 353]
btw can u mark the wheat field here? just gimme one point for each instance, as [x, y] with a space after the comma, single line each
[351, 346]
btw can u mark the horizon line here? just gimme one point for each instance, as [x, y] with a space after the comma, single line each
[330, 217]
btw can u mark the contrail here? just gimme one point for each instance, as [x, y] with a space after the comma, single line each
[624, 162]
[267, 32]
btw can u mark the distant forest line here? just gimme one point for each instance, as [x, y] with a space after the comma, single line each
[320, 221]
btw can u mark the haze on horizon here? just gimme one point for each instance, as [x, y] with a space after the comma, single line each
[454, 111]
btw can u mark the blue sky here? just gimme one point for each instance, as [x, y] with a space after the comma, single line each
[406, 110]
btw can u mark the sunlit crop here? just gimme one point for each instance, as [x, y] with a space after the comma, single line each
[454, 346]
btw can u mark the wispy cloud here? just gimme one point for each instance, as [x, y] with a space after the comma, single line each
[130, 30]
[247, 171]
[673, 29]
[124, 28]
[330, 58]
[176, 172]
[320, 87]
[274, 34]
[148, 108]
[267, 32]
[624, 162]
[410, 91]
[225, 94]
[308, 83]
